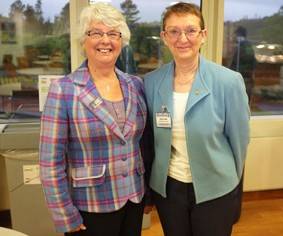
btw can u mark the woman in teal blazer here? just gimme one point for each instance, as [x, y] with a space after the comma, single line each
[200, 118]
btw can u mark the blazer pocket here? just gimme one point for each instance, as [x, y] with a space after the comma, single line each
[140, 168]
[88, 176]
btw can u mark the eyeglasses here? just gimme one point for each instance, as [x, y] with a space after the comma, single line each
[97, 34]
[175, 33]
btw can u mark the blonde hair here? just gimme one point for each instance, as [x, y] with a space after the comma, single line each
[108, 15]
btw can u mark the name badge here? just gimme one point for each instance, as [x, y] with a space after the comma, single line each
[163, 119]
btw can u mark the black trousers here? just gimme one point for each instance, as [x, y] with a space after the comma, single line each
[127, 221]
[181, 216]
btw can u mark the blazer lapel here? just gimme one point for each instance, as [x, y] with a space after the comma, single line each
[88, 95]
[199, 90]
[166, 87]
[130, 101]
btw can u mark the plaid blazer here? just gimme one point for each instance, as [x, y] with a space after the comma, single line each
[86, 162]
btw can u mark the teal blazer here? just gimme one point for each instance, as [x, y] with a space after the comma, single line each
[216, 124]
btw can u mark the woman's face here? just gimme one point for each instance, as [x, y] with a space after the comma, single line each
[183, 36]
[100, 48]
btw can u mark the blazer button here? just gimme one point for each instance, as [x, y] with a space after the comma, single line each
[124, 158]
[122, 142]
[125, 174]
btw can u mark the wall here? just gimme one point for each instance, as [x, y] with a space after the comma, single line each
[4, 198]
[264, 162]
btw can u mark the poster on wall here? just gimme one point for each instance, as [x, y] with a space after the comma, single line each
[43, 86]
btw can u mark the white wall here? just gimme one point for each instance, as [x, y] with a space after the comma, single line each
[264, 164]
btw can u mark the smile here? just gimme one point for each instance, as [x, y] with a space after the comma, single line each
[183, 47]
[104, 50]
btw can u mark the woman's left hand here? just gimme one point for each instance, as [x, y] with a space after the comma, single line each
[79, 228]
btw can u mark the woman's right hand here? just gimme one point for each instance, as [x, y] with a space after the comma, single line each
[81, 227]
[147, 209]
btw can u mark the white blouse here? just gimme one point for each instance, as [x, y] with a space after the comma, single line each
[179, 167]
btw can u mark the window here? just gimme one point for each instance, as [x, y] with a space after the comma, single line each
[37, 42]
[34, 40]
[146, 51]
[253, 45]
[8, 32]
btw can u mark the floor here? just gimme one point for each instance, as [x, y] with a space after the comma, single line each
[262, 215]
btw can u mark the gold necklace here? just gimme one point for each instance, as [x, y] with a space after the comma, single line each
[184, 83]
[106, 85]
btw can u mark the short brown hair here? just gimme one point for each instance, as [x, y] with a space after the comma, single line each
[182, 8]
